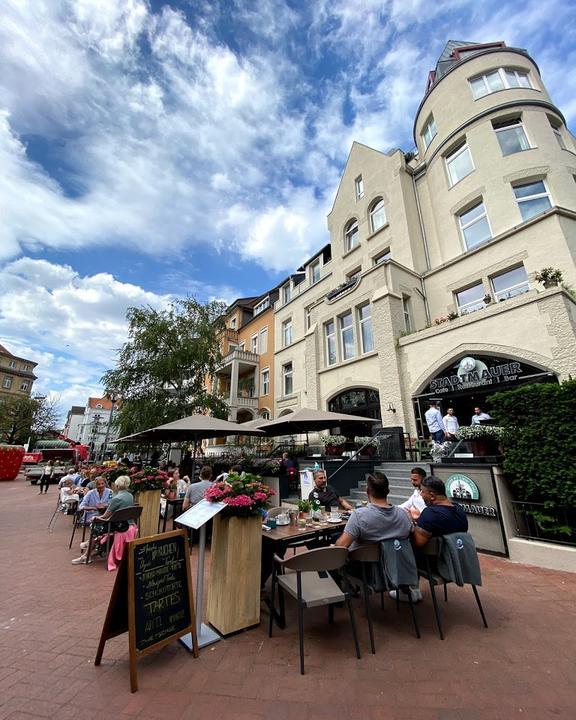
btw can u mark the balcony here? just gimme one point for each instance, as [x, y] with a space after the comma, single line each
[241, 356]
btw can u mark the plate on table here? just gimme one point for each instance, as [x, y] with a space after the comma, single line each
[334, 521]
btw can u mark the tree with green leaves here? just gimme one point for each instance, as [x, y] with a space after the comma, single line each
[25, 417]
[161, 370]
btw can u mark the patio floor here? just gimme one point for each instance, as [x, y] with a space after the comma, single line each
[51, 615]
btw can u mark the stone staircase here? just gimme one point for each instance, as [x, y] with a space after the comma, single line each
[398, 474]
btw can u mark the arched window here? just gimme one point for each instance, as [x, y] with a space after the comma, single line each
[351, 235]
[377, 215]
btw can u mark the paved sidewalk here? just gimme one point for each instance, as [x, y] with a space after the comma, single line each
[51, 615]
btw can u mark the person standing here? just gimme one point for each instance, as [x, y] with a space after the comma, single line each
[479, 416]
[435, 422]
[46, 477]
[451, 423]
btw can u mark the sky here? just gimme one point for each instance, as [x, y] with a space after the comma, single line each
[153, 150]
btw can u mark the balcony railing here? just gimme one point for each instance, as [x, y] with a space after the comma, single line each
[249, 402]
[241, 356]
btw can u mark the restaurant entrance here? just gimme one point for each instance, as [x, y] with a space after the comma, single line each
[468, 381]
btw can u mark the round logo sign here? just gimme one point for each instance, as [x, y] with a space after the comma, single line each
[461, 487]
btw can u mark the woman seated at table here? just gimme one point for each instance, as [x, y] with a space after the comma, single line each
[177, 484]
[95, 501]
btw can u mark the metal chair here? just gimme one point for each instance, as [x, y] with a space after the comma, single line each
[129, 513]
[432, 567]
[79, 521]
[310, 589]
[67, 506]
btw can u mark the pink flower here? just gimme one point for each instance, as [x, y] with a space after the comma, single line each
[239, 501]
[260, 496]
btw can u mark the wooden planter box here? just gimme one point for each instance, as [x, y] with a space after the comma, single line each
[150, 502]
[234, 587]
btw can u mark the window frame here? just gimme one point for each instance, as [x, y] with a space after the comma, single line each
[265, 381]
[473, 222]
[286, 293]
[255, 345]
[351, 231]
[362, 324]
[343, 330]
[407, 313]
[263, 341]
[537, 196]
[262, 306]
[24, 385]
[359, 187]
[473, 305]
[7, 383]
[12, 364]
[448, 159]
[287, 336]
[288, 375]
[307, 318]
[372, 213]
[515, 289]
[382, 257]
[507, 125]
[315, 276]
[503, 79]
[329, 339]
[430, 123]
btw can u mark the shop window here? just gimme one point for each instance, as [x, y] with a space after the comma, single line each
[474, 225]
[532, 199]
[510, 283]
[470, 299]
[459, 164]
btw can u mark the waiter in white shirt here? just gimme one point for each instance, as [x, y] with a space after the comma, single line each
[451, 423]
[435, 423]
[479, 416]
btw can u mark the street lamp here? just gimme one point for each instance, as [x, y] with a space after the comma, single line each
[113, 396]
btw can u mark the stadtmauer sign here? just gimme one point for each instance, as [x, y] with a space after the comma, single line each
[473, 371]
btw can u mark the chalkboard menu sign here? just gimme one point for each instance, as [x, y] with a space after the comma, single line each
[152, 597]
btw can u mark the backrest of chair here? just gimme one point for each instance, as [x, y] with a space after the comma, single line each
[458, 559]
[329, 558]
[129, 513]
[368, 553]
[432, 547]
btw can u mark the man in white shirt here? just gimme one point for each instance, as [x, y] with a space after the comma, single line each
[435, 423]
[479, 416]
[415, 504]
[451, 423]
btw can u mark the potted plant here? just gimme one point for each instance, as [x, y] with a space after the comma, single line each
[367, 444]
[549, 277]
[483, 438]
[487, 299]
[234, 589]
[304, 508]
[333, 444]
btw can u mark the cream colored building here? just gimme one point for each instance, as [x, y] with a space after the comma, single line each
[427, 288]
[16, 375]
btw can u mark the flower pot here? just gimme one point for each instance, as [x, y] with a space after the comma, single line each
[549, 284]
[334, 450]
[234, 586]
[150, 502]
[368, 451]
[481, 447]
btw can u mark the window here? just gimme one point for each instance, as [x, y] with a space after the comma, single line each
[242, 346]
[254, 342]
[511, 136]
[382, 257]
[366, 334]
[24, 386]
[288, 379]
[307, 318]
[286, 294]
[7, 383]
[532, 198]
[500, 79]
[459, 164]
[429, 132]
[353, 274]
[262, 305]
[377, 215]
[510, 283]
[233, 323]
[351, 235]
[474, 225]
[287, 332]
[347, 336]
[315, 272]
[359, 185]
[407, 311]
[25, 368]
[265, 382]
[330, 336]
[556, 130]
[265, 414]
[12, 364]
[471, 299]
[263, 341]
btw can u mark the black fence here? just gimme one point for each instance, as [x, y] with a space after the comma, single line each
[535, 521]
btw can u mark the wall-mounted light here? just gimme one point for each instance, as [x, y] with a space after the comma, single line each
[391, 408]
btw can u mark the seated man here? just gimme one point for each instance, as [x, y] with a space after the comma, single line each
[378, 521]
[196, 490]
[440, 516]
[325, 494]
[415, 504]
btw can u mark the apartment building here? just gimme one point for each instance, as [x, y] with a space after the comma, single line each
[16, 374]
[428, 287]
[96, 424]
[74, 420]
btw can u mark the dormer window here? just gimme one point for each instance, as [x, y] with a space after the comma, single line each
[262, 305]
[351, 235]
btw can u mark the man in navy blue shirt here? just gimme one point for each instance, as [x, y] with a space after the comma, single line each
[440, 516]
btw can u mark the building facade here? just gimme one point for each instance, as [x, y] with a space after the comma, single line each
[16, 375]
[74, 421]
[96, 425]
[428, 288]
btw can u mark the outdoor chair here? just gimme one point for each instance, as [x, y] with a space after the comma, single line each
[77, 522]
[450, 559]
[129, 513]
[311, 586]
[67, 507]
[368, 564]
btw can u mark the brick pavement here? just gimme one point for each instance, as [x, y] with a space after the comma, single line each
[51, 615]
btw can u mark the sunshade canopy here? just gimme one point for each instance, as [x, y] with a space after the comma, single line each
[194, 427]
[306, 419]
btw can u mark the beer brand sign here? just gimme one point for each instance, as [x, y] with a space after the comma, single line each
[480, 371]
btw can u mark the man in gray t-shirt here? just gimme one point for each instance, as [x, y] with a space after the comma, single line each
[376, 522]
[196, 490]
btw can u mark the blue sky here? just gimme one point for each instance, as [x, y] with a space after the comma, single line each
[151, 150]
